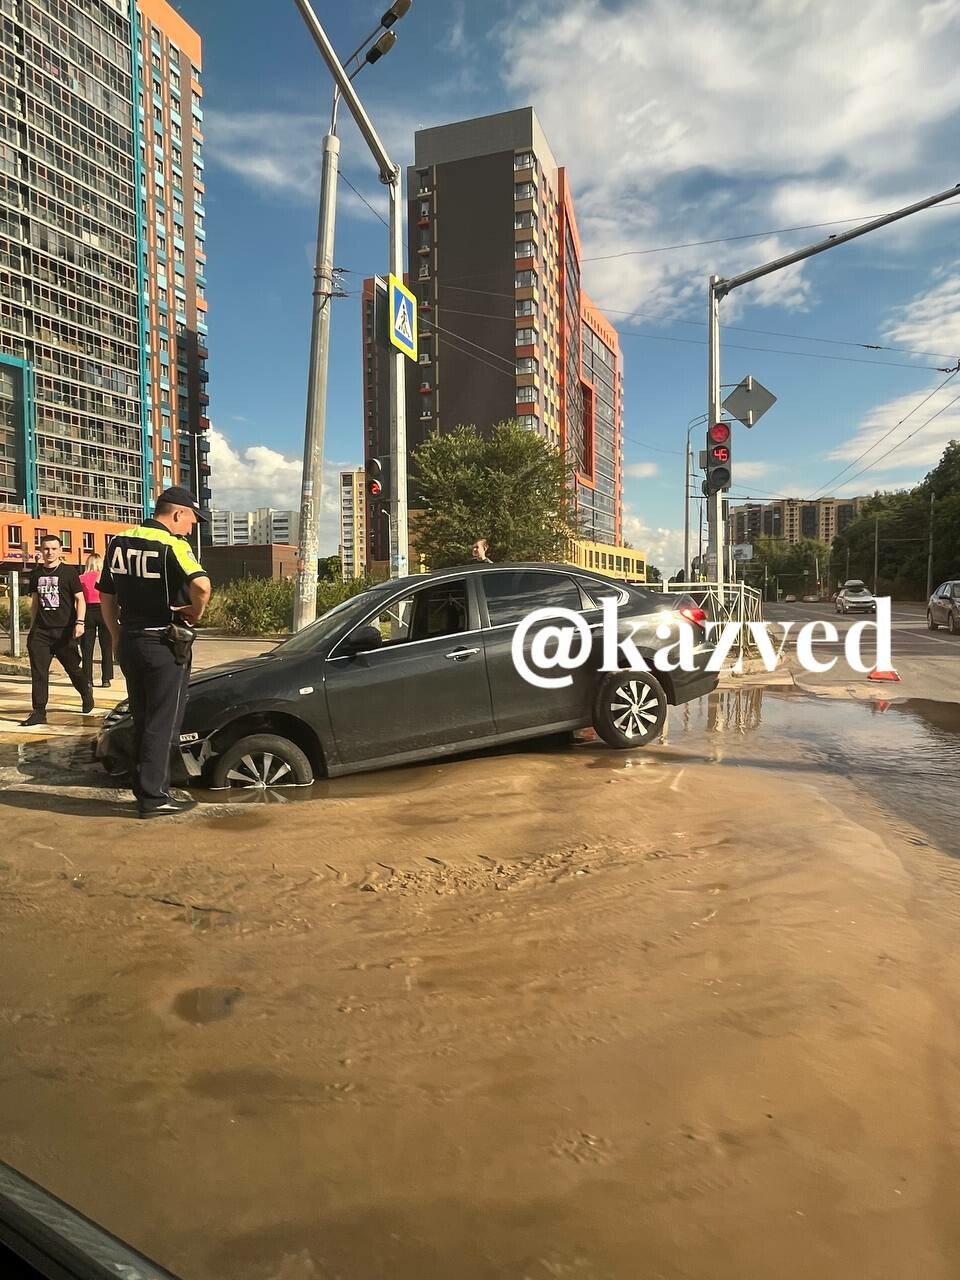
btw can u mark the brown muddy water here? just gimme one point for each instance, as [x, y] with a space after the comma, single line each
[682, 1013]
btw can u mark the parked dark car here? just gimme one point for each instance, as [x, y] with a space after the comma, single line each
[419, 668]
[943, 608]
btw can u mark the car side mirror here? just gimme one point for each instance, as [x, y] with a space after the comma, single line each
[362, 639]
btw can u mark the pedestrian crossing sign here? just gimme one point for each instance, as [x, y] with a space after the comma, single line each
[403, 318]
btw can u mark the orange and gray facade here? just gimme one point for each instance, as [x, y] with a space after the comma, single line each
[505, 328]
[792, 519]
[96, 153]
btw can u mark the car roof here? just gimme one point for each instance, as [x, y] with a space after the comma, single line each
[476, 566]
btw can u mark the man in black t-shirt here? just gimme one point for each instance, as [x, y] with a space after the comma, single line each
[57, 609]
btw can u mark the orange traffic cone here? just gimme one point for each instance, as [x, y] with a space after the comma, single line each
[883, 675]
[881, 704]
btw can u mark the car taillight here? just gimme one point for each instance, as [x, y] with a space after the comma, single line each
[693, 613]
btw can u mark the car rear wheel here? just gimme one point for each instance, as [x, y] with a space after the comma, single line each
[260, 761]
[952, 625]
[630, 710]
[931, 625]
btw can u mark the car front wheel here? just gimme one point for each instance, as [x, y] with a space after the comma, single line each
[260, 761]
[931, 625]
[952, 625]
[630, 710]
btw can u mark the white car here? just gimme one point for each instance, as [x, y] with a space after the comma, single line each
[855, 597]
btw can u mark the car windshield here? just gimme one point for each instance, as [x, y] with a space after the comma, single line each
[346, 613]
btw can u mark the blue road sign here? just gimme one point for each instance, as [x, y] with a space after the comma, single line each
[403, 318]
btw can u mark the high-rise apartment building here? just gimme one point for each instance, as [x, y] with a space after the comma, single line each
[791, 519]
[505, 328]
[84, 435]
[262, 527]
[353, 523]
[170, 115]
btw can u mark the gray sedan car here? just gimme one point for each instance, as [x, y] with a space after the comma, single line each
[943, 608]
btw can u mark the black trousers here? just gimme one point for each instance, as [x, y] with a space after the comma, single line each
[43, 647]
[157, 688]
[94, 627]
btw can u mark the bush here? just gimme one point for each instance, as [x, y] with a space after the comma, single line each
[264, 606]
[5, 613]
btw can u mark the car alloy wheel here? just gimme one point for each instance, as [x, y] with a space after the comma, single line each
[631, 709]
[931, 625]
[260, 761]
[952, 625]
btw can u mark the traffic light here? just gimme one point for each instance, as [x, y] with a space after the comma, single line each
[378, 481]
[719, 458]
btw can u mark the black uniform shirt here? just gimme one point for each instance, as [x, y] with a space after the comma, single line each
[148, 569]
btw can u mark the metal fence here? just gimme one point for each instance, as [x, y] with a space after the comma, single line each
[731, 602]
[11, 581]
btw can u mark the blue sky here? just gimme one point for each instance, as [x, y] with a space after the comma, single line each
[677, 122]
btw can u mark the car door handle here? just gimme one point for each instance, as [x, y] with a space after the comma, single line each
[458, 654]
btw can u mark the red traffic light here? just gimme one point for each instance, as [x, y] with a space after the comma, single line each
[376, 488]
[720, 433]
[720, 453]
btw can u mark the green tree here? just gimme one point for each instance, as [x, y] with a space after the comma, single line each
[654, 574]
[511, 487]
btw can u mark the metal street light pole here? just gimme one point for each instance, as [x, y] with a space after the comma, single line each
[719, 288]
[305, 597]
[930, 549]
[687, 480]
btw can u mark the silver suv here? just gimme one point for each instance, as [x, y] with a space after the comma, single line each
[855, 597]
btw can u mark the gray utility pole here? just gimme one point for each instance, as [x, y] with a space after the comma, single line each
[305, 602]
[719, 288]
[305, 599]
[687, 481]
[930, 549]
[876, 551]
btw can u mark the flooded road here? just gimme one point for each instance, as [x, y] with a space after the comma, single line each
[687, 1013]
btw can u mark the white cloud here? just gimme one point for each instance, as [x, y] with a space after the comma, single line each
[916, 444]
[243, 479]
[640, 470]
[931, 320]
[691, 125]
[664, 547]
[753, 470]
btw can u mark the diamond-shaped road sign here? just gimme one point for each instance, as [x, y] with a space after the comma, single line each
[749, 402]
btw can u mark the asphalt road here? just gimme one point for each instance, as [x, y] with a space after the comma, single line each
[928, 662]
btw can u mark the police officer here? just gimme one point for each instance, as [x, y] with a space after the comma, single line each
[152, 585]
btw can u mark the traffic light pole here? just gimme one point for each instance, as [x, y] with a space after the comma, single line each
[719, 288]
[715, 539]
[398, 404]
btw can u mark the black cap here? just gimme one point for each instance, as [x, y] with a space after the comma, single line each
[180, 497]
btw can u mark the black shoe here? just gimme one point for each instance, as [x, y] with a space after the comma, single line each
[35, 717]
[167, 809]
[87, 707]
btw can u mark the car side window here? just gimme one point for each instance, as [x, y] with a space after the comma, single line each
[437, 610]
[513, 593]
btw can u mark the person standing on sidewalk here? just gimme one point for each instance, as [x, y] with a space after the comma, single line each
[95, 626]
[57, 614]
[153, 591]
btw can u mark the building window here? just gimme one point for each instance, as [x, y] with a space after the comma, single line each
[523, 249]
[527, 365]
[524, 160]
[525, 280]
[15, 536]
[88, 543]
[523, 220]
[524, 191]
[527, 395]
[66, 537]
[526, 337]
[525, 307]
[38, 537]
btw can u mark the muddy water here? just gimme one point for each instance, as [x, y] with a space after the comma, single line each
[684, 1013]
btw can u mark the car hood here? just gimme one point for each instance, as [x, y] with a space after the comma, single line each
[226, 670]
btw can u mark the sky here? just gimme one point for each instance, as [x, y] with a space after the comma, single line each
[678, 121]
